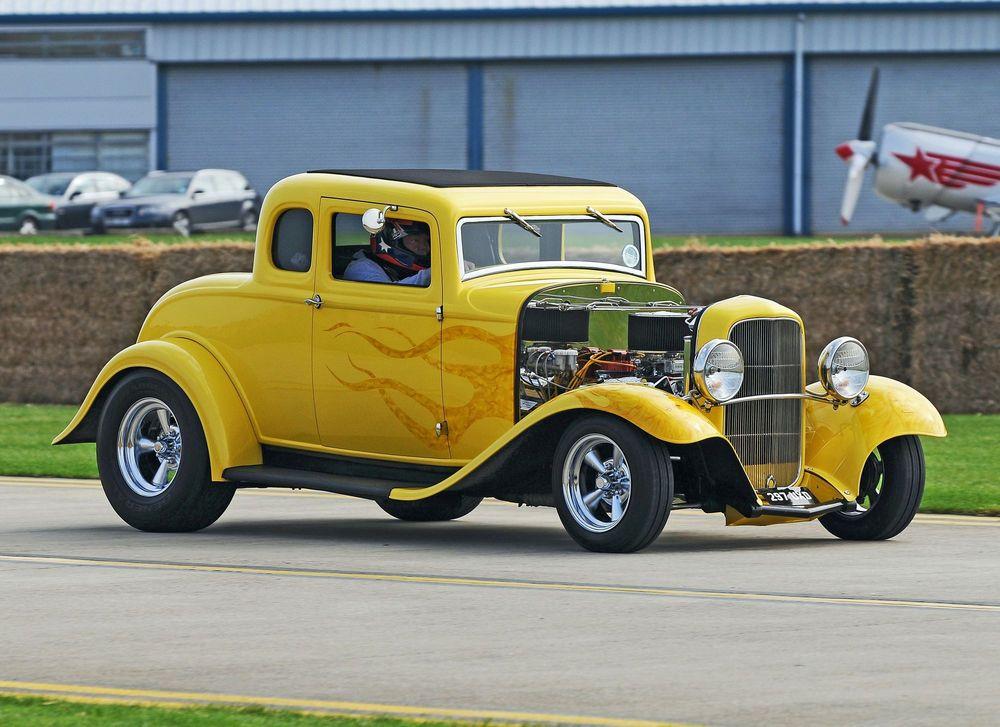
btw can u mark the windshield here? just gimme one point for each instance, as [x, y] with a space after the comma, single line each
[491, 245]
[52, 184]
[161, 184]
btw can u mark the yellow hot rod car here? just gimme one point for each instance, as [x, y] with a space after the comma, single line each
[532, 358]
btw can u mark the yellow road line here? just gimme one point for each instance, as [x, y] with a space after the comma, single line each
[171, 698]
[494, 583]
[60, 483]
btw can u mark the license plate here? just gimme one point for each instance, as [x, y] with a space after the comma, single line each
[794, 497]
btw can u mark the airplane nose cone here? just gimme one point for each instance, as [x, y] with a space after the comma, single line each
[844, 151]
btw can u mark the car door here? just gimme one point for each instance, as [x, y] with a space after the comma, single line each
[8, 210]
[80, 197]
[203, 198]
[376, 348]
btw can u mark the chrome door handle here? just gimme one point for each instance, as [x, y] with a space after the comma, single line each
[315, 300]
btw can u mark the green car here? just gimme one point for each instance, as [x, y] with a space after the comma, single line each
[23, 209]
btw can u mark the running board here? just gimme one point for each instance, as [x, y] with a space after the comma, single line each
[802, 512]
[260, 475]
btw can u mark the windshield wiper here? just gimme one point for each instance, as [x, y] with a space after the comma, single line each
[603, 218]
[521, 222]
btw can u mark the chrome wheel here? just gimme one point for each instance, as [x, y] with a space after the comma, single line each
[871, 486]
[28, 226]
[182, 224]
[149, 447]
[596, 483]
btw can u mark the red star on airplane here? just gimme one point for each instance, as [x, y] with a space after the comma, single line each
[920, 165]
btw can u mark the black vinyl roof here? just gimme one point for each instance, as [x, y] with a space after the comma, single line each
[466, 178]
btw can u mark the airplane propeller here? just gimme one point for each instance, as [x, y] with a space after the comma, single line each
[859, 153]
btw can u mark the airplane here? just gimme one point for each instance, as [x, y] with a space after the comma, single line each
[921, 167]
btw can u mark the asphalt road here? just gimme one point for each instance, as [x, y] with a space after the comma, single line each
[321, 602]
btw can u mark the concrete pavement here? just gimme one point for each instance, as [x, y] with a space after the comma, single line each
[321, 602]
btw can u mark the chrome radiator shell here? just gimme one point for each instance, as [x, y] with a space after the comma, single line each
[768, 434]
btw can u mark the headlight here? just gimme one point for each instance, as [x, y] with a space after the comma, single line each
[718, 370]
[843, 367]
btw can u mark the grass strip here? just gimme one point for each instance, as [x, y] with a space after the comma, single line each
[50, 712]
[961, 469]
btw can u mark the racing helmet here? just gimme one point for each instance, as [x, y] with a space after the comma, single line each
[387, 245]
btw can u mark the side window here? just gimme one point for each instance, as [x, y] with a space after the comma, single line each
[291, 241]
[402, 248]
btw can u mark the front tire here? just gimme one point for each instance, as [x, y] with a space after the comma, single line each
[444, 506]
[153, 459]
[892, 484]
[613, 485]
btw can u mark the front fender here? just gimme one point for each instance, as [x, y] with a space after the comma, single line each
[228, 431]
[659, 414]
[839, 441]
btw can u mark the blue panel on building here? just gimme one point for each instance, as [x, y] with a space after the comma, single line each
[699, 141]
[269, 121]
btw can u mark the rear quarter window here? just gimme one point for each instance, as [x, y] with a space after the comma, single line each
[291, 241]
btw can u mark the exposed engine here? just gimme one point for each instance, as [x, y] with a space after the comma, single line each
[558, 354]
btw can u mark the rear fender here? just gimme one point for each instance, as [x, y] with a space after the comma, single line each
[839, 441]
[228, 431]
[659, 414]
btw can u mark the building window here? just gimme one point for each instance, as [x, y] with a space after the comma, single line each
[73, 44]
[125, 153]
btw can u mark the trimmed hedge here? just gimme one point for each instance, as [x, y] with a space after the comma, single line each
[928, 311]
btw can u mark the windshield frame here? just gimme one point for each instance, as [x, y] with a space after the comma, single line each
[639, 272]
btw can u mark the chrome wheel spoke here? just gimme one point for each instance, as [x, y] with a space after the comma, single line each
[160, 478]
[595, 462]
[164, 419]
[616, 507]
[593, 499]
[145, 445]
[616, 457]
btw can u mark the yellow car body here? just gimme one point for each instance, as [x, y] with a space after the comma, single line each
[426, 378]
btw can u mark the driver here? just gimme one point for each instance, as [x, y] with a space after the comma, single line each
[400, 253]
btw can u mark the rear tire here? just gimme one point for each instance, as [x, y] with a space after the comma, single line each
[623, 508]
[892, 484]
[444, 506]
[153, 459]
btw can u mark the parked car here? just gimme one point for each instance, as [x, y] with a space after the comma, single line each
[187, 201]
[541, 364]
[76, 193]
[23, 209]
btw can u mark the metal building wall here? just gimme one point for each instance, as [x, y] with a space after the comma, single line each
[269, 121]
[954, 91]
[698, 140]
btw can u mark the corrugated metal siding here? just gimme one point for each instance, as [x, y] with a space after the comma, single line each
[467, 39]
[571, 37]
[959, 93]
[272, 121]
[106, 7]
[698, 141]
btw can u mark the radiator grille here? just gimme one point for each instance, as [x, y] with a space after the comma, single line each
[767, 434]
